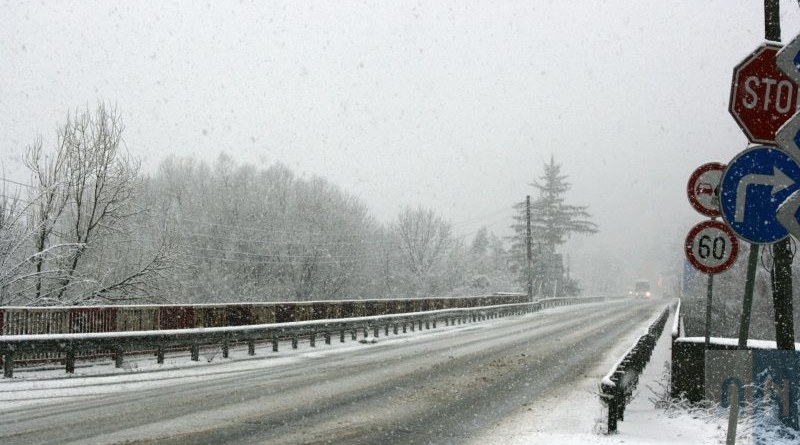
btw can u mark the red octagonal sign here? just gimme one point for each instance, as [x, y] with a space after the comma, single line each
[762, 97]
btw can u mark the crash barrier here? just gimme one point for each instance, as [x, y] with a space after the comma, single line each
[618, 385]
[69, 347]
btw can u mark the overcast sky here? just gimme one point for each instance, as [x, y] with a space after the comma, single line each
[453, 105]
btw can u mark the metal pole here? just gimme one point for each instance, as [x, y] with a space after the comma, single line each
[733, 416]
[528, 241]
[781, 251]
[708, 309]
[747, 304]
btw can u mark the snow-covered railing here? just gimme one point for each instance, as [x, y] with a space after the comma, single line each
[618, 385]
[676, 322]
[70, 346]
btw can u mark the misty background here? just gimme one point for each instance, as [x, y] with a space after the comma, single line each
[452, 106]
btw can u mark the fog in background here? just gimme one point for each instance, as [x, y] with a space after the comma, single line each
[449, 104]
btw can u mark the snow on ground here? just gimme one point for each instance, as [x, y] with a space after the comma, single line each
[579, 418]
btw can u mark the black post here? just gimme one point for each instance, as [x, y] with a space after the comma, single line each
[747, 303]
[70, 360]
[528, 242]
[709, 294]
[118, 356]
[8, 365]
[782, 252]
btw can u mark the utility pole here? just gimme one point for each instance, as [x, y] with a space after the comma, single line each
[528, 241]
[782, 250]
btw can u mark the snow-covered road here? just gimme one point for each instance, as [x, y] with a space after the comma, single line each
[443, 386]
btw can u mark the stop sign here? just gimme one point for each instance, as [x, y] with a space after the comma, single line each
[762, 97]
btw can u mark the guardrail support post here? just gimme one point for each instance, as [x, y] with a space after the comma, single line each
[434, 323]
[394, 328]
[386, 329]
[160, 355]
[341, 336]
[118, 356]
[225, 347]
[70, 361]
[8, 365]
[274, 343]
[327, 338]
[195, 352]
[366, 332]
[376, 330]
[404, 327]
[312, 341]
[413, 326]
[251, 347]
[294, 342]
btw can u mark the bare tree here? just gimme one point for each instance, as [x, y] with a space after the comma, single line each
[81, 204]
[424, 239]
[48, 195]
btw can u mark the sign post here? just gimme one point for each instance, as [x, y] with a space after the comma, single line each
[711, 247]
[703, 192]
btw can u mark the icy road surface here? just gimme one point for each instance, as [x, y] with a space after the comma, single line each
[440, 387]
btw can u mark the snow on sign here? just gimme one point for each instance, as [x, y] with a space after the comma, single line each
[711, 247]
[757, 185]
[788, 135]
[702, 188]
[762, 97]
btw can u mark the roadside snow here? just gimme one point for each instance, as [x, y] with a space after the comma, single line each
[579, 418]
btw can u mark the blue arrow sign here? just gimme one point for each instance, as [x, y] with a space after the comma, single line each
[754, 185]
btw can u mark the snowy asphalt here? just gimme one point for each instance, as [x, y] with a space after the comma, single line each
[436, 387]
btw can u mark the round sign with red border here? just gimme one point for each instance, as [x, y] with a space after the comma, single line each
[711, 247]
[703, 188]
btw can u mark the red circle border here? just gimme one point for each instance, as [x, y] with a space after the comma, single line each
[687, 247]
[690, 188]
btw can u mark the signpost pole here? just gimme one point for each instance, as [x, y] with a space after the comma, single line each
[747, 303]
[781, 251]
[528, 242]
[708, 309]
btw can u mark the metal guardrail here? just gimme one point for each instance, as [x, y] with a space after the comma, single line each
[618, 385]
[70, 345]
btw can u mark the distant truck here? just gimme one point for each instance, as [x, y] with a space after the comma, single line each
[642, 289]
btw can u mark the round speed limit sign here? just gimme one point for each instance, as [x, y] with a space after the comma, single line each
[711, 247]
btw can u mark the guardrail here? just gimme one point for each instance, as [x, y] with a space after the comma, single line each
[618, 385]
[70, 346]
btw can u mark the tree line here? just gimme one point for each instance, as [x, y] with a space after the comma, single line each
[90, 227]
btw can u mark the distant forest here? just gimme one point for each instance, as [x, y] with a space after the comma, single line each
[90, 227]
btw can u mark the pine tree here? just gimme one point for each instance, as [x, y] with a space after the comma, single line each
[552, 221]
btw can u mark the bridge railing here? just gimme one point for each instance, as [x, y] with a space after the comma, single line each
[68, 347]
[618, 385]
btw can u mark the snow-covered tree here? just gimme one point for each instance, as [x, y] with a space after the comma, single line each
[552, 222]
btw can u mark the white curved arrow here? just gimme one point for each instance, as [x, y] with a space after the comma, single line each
[778, 180]
[786, 214]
